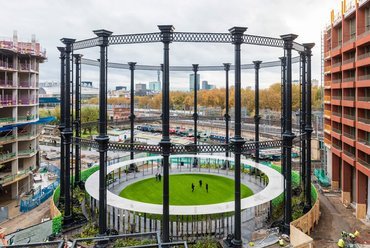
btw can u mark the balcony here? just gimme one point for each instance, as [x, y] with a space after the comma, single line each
[327, 99]
[349, 139]
[27, 101]
[26, 153]
[336, 67]
[363, 145]
[25, 84]
[363, 81]
[337, 150]
[349, 44]
[327, 69]
[10, 178]
[7, 120]
[327, 141]
[335, 99]
[364, 163]
[336, 83]
[336, 130]
[7, 102]
[348, 157]
[327, 55]
[6, 65]
[363, 123]
[327, 84]
[7, 139]
[348, 101]
[327, 112]
[7, 156]
[26, 118]
[363, 38]
[7, 84]
[363, 98]
[348, 64]
[26, 67]
[26, 136]
[327, 128]
[363, 102]
[349, 120]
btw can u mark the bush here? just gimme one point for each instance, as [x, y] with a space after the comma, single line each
[206, 243]
[132, 242]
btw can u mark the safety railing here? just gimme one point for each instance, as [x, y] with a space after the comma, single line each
[348, 98]
[7, 120]
[7, 156]
[336, 81]
[6, 83]
[27, 152]
[14, 177]
[364, 77]
[363, 98]
[7, 138]
[350, 60]
[364, 120]
[348, 79]
[337, 130]
[26, 118]
[337, 146]
[364, 162]
[350, 117]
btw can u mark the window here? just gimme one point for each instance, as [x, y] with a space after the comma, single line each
[352, 28]
[339, 35]
[367, 19]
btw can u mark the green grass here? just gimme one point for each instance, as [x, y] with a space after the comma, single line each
[221, 189]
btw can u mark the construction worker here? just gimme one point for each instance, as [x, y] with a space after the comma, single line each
[341, 243]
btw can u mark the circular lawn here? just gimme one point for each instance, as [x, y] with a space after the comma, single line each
[220, 189]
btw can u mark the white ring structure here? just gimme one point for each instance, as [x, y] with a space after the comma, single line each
[273, 189]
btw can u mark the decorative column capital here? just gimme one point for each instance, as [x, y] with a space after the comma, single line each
[237, 34]
[68, 42]
[257, 64]
[132, 65]
[308, 48]
[166, 33]
[77, 58]
[195, 68]
[103, 35]
[288, 40]
[227, 66]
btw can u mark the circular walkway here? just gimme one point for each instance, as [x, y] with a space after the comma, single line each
[271, 191]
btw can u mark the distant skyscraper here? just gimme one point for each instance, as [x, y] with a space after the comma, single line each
[140, 89]
[204, 85]
[155, 86]
[191, 82]
[121, 87]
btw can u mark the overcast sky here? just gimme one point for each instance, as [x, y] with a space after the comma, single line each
[52, 20]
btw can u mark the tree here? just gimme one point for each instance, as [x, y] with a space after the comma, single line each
[89, 114]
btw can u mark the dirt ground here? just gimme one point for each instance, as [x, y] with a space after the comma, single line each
[28, 219]
[335, 218]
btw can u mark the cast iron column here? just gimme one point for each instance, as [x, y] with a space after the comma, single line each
[78, 118]
[166, 35]
[62, 122]
[303, 117]
[132, 109]
[195, 114]
[227, 116]
[67, 132]
[257, 116]
[103, 138]
[288, 136]
[238, 141]
[308, 205]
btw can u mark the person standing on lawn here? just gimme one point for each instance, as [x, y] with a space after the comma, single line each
[200, 183]
[192, 187]
[207, 187]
